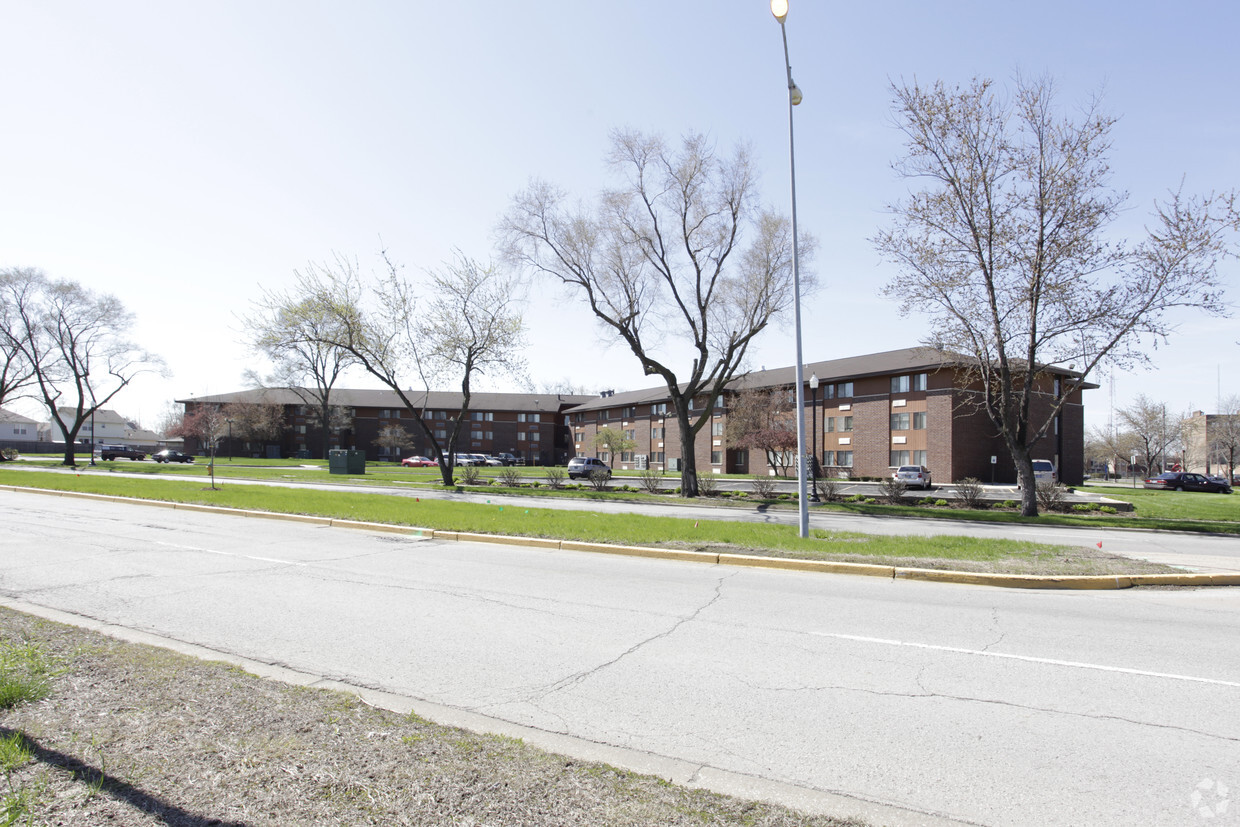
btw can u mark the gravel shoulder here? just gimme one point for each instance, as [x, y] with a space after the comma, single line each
[138, 735]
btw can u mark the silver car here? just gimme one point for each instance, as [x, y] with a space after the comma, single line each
[585, 466]
[915, 475]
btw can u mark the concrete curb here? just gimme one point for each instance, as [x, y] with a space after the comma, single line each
[1010, 581]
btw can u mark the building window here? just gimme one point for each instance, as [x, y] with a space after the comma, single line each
[828, 458]
[919, 422]
[579, 436]
[535, 436]
[657, 456]
[475, 434]
[899, 384]
[846, 423]
[845, 389]
[899, 458]
[604, 456]
[828, 391]
[919, 458]
[521, 437]
[626, 456]
[828, 424]
[741, 458]
[628, 413]
[716, 429]
[919, 381]
[537, 417]
[659, 410]
[716, 457]
[899, 422]
[441, 433]
[656, 433]
[843, 459]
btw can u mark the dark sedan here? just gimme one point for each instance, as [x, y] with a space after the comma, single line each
[1182, 481]
[172, 456]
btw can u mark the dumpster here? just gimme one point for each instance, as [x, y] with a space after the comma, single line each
[346, 461]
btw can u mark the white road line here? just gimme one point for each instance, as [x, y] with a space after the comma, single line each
[230, 554]
[1028, 659]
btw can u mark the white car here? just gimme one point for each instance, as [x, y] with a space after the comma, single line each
[914, 475]
[1043, 472]
[585, 466]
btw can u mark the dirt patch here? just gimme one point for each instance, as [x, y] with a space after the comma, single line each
[1072, 561]
[136, 735]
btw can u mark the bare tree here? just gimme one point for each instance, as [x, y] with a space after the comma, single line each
[1005, 249]
[16, 372]
[763, 420]
[294, 334]
[207, 423]
[1224, 433]
[1154, 430]
[468, 325]
[680, 253]
[73, 341]
[254, 421]
[1111, 447]
[394, 438]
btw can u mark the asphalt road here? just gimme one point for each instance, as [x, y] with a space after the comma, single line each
[908, 702]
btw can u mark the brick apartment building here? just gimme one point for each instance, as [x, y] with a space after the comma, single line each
[872, 413]
[869, 414]
[527, 425]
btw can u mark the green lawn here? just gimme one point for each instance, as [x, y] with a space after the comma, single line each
[496, 517]
[1163, 510]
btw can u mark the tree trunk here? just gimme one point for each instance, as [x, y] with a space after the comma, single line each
[688, 461]
[1026, 480]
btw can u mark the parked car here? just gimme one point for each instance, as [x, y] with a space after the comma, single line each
[494, 461]
[914, 475]
[418, 462]
[470, 459]
[585, 466]
[107, 452]
[510, 459]
[1043, 471]
[168, 455]
[1184, 481]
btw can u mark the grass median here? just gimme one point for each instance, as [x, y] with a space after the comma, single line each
[498, 517]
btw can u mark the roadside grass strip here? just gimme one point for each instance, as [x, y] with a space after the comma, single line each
[573, 529]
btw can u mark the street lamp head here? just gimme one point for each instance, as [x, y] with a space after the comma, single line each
[779, 8]
[794, 94]
[813, 381]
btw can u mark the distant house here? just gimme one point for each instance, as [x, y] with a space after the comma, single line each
[106, 427]
[1207, 441]
[17, 428]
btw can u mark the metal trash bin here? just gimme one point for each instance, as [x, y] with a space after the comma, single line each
[346, 461]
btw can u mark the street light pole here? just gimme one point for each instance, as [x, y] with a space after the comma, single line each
[813, 426]
[230, 448]
[779, 8]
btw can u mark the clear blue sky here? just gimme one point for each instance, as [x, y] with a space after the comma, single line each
[181, 155]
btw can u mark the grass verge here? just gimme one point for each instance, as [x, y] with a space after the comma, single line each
[943, 552]
[135, 735]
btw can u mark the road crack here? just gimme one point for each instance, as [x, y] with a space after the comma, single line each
[576, 678]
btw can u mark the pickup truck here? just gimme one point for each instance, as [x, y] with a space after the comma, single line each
[107, 452]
